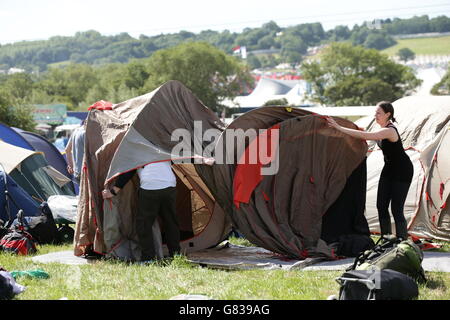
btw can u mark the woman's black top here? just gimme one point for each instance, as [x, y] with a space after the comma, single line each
[397, 164]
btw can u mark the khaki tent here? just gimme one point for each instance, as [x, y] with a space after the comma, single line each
[131, 134]
[423, 124]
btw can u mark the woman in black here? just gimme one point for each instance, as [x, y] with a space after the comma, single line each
[397, 172]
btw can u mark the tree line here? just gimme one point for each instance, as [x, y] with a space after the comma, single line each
[345, 75]
[211, 74]
[92, 48]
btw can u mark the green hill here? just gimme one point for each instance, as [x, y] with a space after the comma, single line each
[432, 46]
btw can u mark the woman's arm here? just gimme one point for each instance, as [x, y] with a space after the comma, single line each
[384, 133]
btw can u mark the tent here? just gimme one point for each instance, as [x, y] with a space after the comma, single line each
[52, 154]
[316, 195]
[15, 199]
[35, 142]
[128, 135]
[423, 124]
[294, 91]
[10, 136]
[31, 171]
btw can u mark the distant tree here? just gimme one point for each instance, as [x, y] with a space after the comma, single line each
[71, 83]
[15, 115]
[269, 61]
[339, 33]
[18, 86]
[135, 75]
[253, 61]
[277, 102]
[406, 54]
[293, 47]
[208, 72]
[354, 75]
[378, 40]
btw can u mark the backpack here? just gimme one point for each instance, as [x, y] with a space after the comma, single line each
[42, 228]
[17, 240]
[391, 253]
[383, 284]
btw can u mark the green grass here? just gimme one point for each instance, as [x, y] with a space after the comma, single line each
[107, 280]
[422, 46]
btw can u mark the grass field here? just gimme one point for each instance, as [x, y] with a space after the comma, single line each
[422, 46]
[112, 280]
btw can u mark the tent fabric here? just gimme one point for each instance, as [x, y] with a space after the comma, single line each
[248, 175]
[31, 141]
[130, 135]
[29, 169]
[52, 154]
[10, 136]
[286, 210]
[13, 156]
[423, 123]
[18, 199]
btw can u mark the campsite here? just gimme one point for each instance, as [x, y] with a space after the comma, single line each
[303, 159]
[213, 199]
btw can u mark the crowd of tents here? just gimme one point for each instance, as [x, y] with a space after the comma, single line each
[324, 188]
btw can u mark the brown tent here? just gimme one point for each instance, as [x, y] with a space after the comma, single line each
[316, 195]
[128, 135]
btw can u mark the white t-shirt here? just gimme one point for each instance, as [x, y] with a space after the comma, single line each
[158, 175]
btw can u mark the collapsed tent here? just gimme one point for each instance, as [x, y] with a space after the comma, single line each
[423, 125]
[316, 193]
[35, 142]
[30, 170]
[129, 135]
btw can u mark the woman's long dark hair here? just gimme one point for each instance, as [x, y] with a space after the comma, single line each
[387, 107]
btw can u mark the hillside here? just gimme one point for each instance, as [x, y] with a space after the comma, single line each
[291, 43]
[422, 46]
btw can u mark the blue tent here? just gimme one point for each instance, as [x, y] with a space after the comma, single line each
[16, 199]
[34, 142]
[10, 136]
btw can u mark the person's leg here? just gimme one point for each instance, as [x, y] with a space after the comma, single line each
[383, 199]
[399, 193]
[148, 207]
[169, 217]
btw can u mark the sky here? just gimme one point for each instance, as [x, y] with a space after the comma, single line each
[41, 19]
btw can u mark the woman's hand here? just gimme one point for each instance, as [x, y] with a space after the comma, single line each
[106, 194]
[209, 161]
[332, 123]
